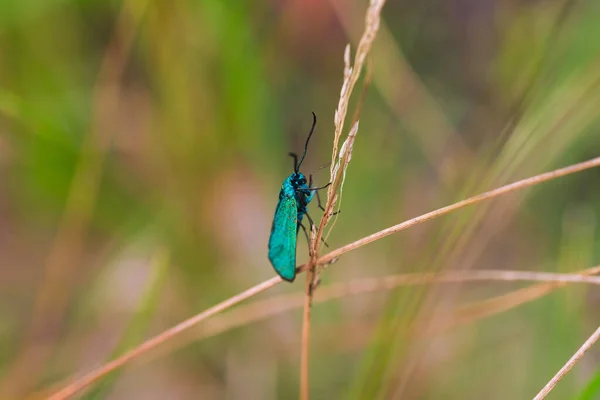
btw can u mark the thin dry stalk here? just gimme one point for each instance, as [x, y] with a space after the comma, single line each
[306, 319]
[505, 302]
[167, 335]
[524, 183]
[567, 367]
[304, 356]
[349, 143]
[267, 308]
[341, 158]
[93, 376]
[263, 309]
[403, 91]
[338, 172]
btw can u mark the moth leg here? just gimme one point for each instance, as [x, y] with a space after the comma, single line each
[316, 190]
[310, 180]
[319, 188]
[305, 233]
[319, 200]
[321, 206]
[310, 220]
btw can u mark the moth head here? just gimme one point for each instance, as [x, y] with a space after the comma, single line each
[298, 179]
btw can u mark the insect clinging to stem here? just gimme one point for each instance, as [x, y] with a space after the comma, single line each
[294, 196]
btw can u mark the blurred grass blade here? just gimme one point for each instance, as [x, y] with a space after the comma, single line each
[138, 326]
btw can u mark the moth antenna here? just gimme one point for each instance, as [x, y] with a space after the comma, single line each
[295, 157]
[297, 168]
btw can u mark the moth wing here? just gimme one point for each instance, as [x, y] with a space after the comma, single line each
[282, 243]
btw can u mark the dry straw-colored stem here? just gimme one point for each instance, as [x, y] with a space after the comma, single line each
[306, 319]
[522, 184]
[339, 163]
[267, 308]
[485, 308]
[567, 367]
[93, 376]
[263, 309]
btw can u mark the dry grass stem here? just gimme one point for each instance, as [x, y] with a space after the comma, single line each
[486, 308]
[93, 376]
[351, 75]
[567, 367]
[522, 184]
[266, 308]
[263, 309]
[343, 160]
[170, 333]
[306, 318]
[339, 161]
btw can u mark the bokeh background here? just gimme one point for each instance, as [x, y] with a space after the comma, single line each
[143, 144]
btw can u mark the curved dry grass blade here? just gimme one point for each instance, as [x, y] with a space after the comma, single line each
[524, 183]
[267, 308]
[567, 367]
[93, 376]
[486, 308]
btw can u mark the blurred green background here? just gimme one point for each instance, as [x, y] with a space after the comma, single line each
[143, 144]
